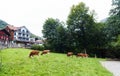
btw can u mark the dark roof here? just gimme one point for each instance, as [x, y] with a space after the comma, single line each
[16, 28]
[13, 27]
[3, 24]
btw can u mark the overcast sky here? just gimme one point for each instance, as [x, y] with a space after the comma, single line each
[33, 13]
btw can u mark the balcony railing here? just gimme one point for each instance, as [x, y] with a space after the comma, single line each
[23, 32]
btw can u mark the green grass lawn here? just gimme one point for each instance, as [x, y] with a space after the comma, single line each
[15, 62]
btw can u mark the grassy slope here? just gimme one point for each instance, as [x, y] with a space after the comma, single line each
[15, 62]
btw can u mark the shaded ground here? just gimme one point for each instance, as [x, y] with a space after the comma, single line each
[112, 66]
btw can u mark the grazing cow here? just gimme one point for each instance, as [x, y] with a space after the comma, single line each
[34, 52]
[70, 54]
[45, 52]
[85, 55]
[81, 55]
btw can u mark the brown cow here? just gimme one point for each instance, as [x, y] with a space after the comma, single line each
[85, 55]
[34, 52]
[45, 52]
[81, 55]
[70, 54]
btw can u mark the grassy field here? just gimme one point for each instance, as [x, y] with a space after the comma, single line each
[15, 62]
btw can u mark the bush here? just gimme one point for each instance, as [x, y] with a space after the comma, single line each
[37, 47]
[105, 52]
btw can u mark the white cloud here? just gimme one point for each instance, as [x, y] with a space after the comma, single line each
[33, 13]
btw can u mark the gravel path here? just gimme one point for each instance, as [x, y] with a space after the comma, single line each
[112, 66]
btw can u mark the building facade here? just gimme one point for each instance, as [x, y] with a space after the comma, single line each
[11, 36]
[21, 36]
[5, 34]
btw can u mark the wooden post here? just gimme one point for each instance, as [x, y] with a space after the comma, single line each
[85, 51]
[95, 56]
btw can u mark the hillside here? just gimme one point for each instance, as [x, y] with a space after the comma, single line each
[15, 62]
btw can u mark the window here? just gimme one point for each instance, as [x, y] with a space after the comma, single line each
[23, 34]
[15, 34]
[27, 31]
[19, 30]
[23, 31]
[19, 33]
[27, 38]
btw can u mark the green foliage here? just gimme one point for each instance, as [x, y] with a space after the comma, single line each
[100, 39]
[50, 32]
[116, 8]
[17, 63]
[116, 43]
[81, 33]
[55, 34]
[113, 25]
[37, 47]
[61, 43]
[83, 29]
[34, 36]
[49, 28]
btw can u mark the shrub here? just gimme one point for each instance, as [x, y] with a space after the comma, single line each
[37, 47]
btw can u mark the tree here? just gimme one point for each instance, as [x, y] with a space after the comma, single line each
[113, 22]
[112, 30]
[100, 39]
[116, 8]
[55, 34]
[49, 32]
[81, 26]
[62, 36]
